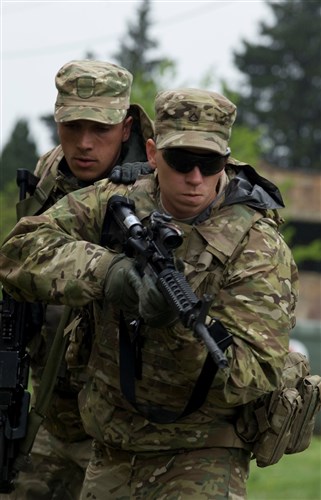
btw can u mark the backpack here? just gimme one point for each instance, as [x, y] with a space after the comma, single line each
[282, 422]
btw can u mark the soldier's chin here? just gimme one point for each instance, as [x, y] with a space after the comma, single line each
[84, 174]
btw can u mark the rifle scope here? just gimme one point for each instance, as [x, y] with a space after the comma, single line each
[123, 211]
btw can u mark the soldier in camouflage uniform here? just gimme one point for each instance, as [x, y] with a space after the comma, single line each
[232, 249]
[98, 129]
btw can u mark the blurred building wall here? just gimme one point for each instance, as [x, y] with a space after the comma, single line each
[302, 195]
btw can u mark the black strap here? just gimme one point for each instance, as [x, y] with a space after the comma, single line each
[130, 358]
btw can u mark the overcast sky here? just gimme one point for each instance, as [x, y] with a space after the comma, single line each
[38, 37]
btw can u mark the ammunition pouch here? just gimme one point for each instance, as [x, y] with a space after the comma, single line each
[282, 422]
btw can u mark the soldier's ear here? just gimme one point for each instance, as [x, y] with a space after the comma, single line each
[127, 126]
[58, 130]
[151, 152]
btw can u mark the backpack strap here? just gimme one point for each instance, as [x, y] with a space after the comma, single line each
[35, 203]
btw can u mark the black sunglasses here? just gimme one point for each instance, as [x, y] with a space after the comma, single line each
[184, 161]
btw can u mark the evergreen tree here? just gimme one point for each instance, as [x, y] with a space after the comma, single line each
[134, 49]
[50, 123]
[9, 197]
[136, 54]
[19, 152]
[283, 83]
[244, 142]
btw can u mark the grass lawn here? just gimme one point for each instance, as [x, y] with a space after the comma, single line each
[295, 476]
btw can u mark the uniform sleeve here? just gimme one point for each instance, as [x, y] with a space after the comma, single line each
[57, 257]
[256, 304]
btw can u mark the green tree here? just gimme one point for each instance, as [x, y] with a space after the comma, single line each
[283, 82]
[9, 196]
[19, 152]
[244, 142]
[50, 123]
[136, 47]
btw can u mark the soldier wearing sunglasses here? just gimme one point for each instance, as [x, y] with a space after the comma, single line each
[231, 250]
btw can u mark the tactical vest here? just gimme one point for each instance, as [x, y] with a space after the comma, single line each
[206, 251]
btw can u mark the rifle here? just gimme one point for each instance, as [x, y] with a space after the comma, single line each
[16, 327]
[152, 247]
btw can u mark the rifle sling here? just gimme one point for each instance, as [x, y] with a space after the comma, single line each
[47, 383]
[129, 359]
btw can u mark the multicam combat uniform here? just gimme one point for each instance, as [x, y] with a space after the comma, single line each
[59, 469]
[200, 456]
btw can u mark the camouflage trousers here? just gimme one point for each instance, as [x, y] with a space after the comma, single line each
[58, 470]
[213, 473]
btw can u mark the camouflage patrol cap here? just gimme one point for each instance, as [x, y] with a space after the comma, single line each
[92, 90]
[193, 118]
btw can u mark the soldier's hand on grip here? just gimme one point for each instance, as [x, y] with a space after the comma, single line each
[153, 307]
[135, 295]
[120, 285]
